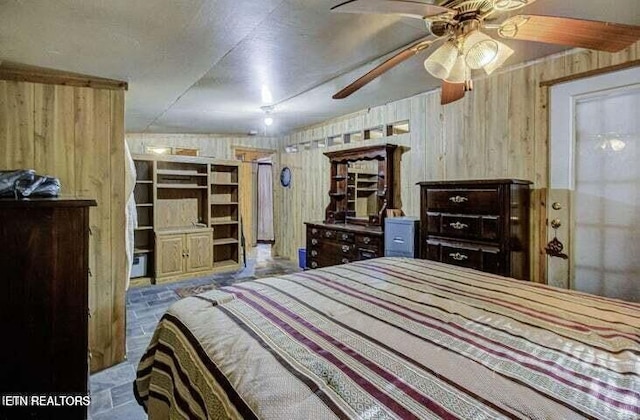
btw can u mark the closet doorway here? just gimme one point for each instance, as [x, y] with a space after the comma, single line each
[256, 202]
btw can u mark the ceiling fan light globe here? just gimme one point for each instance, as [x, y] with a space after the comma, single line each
[504, 52]
[440, 63]
[479, 49]
[460, 72]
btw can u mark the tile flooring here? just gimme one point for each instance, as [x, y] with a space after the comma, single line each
[112, 389]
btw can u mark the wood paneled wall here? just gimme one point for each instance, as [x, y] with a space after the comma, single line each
[500, 130]
[210, 145]
[77, 135]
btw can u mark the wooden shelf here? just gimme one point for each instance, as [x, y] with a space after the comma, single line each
[145, 205]
[225, 263]
[226, 203]
[180, 172]
[144, 228]
[225, 241]
[367, 189]
[140, 281]
[182, 186]
[224, 222]
[142, 251]
[339, 177]
[225, 184]
[144, 181]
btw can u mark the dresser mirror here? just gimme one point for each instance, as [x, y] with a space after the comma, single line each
[362, 183]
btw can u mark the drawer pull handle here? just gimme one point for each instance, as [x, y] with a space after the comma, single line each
[314, 253]
[398, 240]
[314, 231]
[458, 199]
[366, 239]
[314, 241]
[345, 236]
[328, 234]
[458, 256]
[345, 248]
[314, 264]
[458, 225]
[344, 261]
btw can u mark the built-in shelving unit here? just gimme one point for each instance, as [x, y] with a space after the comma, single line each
[225, 213]
[144, 241]
[184, 205]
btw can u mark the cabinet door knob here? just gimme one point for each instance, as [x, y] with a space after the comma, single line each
[458, 256]
[345, 248]
[314, 264]
[344, 261]
[366, 239]
[314, 241]
[345, 236]
[458, 199]
[314, 253]
[314, 231]
[458, 225]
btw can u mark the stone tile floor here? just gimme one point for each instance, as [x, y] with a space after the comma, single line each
[112, 389]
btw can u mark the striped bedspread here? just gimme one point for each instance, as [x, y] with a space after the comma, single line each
[393, 338]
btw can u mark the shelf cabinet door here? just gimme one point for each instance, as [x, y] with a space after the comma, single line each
[199, 251]
[170, 259]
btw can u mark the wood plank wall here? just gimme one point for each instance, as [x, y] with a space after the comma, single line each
[500, 130]
[77, 135]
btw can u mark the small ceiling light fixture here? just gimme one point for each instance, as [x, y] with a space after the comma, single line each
[268, 120]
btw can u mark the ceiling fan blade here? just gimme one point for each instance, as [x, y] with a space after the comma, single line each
[452, 92]
[407, 8]
[403, 55]
[594, 35]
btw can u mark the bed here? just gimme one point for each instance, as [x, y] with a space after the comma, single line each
[393, 338]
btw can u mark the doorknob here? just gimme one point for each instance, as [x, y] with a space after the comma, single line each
[556, 206]
[556, 223]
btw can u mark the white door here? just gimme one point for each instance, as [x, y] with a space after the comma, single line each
[595, 182]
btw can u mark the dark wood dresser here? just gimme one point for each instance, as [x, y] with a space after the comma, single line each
[481, 224]
[332, 244]
[43, 302]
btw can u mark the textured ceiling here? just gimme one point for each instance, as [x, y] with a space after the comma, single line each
[199, 66]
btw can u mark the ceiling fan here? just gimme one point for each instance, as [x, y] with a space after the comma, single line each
[461, 23]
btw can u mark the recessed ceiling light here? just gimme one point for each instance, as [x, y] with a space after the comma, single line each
[268, 121]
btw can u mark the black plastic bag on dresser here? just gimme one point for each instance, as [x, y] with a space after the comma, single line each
[8, 180]
[50, 187]
[39, 186]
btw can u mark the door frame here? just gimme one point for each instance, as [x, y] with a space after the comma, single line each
[247, 155]
[562, 150]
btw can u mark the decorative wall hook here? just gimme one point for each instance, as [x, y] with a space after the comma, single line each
[555, 247]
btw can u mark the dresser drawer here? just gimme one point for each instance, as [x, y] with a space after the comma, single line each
[367, 254]
[368, 241]
[487, 259]
[474, 201]
[346, 237]
[463, 226]
[314, 232]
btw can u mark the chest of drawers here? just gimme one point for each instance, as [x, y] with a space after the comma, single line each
[333, 244]
[482, 224]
